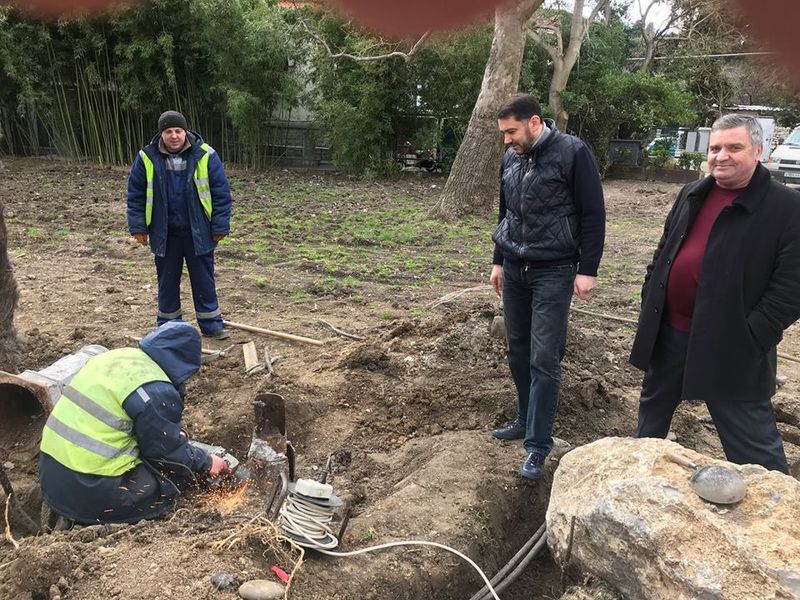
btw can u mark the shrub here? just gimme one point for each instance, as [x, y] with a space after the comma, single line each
[691, 160]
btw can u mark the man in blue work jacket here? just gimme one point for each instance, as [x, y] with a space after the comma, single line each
[113, 450]
[179, 199]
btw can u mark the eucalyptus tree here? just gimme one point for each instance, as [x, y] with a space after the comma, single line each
[545, 29]
[472, 185]
[9, 346]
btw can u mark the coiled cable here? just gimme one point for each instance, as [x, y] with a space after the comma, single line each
[306, 522]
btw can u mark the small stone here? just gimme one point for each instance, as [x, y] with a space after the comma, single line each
[63, 584]
[223, 580]
[8, 465]
[498, 328]
[261, 589]
[55, 593]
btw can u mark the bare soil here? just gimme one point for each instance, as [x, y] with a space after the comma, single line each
[404, 412]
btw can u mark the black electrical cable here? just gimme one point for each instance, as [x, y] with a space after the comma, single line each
[509, 579]
[521, 554]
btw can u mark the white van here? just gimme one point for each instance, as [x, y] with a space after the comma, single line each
[784, 161]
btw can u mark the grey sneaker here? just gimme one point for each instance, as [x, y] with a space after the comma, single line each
[533, 467]
[513, 430]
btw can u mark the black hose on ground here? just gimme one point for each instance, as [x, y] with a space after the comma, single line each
[522, 554]
[509, 579]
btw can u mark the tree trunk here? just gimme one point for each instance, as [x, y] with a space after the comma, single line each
[9, 348]
[472, 187]
[557, 85]
[649, 54]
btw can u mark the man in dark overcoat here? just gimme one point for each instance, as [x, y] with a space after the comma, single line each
[723, 285]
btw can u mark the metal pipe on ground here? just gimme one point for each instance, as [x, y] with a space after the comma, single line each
[26, 400]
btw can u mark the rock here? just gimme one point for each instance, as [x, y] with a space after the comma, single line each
[63, 584]
[498, 328]
[223, 580]
[787, 410]
[55, 593]
[789, 433]
[639, 526]
[594, 590]
[261, 589]
[588, 392]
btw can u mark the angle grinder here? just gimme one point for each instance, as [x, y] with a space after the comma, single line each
[235, 476]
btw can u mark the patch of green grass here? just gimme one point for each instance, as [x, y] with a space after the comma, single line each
[384, 271]
[413, 264]
[134, 270]
[33, 233]
[298, 295]
[259, 280]
[625, 273]
[258, 246]
[328, 285]
[354, 233]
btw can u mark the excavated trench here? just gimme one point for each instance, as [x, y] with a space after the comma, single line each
[406, 418]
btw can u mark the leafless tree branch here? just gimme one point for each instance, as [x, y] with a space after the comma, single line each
[406, 56]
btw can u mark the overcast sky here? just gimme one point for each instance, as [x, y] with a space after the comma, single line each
[657, 14]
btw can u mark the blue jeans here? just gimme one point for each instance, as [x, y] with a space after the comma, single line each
[536, 304]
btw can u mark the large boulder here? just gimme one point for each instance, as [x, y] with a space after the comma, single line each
[620, 510]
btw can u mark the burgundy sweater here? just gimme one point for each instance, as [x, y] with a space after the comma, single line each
[684, 276]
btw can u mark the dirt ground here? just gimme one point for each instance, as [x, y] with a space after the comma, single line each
[404, 413]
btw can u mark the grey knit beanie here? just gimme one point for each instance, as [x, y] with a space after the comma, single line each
[171, 118]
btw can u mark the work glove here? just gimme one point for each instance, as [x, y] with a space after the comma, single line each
[141, 238]
[218, 237]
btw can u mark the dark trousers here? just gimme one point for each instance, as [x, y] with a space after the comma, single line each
[169, 269]
[747, 430]
[536, 309]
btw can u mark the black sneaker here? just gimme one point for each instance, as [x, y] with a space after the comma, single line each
[533, 467]
[513, 430]
[219, 334]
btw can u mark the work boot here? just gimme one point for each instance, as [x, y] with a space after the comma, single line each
[51, 521]
[513, 430]
[219, 334]
[533, 467]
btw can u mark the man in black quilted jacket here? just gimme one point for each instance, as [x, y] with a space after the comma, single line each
[548, 245]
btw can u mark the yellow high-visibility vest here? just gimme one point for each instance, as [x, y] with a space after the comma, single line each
[88, 430]
[200, 182]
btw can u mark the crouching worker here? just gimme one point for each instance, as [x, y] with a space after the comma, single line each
[113, 450]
